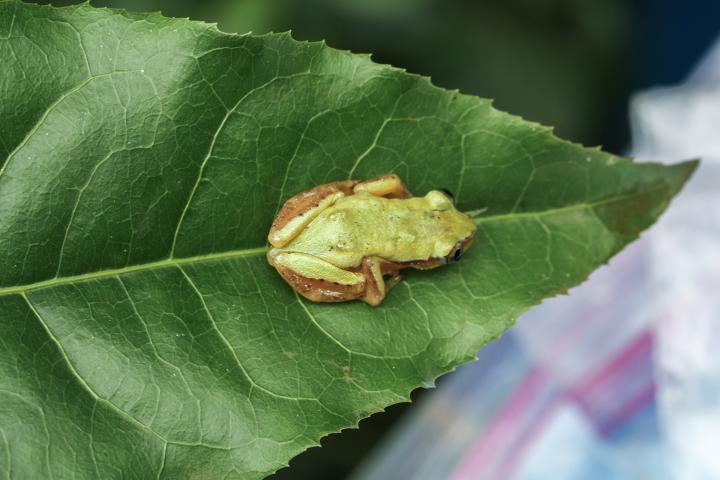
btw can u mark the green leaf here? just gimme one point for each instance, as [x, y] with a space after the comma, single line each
[142, 333]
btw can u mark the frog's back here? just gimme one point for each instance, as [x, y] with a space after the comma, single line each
[363, 225]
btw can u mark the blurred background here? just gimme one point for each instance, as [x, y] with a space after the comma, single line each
[567, 63]
[619, 380]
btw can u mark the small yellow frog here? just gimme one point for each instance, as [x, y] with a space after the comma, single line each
[335, 242]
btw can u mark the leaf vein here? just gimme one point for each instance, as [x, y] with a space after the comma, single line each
[79, 377]
[229, 346]
[205, 160]
[52, 107]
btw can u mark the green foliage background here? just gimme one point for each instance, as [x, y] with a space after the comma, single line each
[563, 63]
[144, 158]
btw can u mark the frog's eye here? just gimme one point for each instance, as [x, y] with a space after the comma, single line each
[455, 254]
[448, 194]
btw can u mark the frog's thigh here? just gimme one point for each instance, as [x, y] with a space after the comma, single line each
[386, 186]
[301, 209]
[317, 279]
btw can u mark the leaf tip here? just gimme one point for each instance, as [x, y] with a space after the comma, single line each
[681, 173]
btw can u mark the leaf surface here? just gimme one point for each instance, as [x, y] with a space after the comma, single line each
[142, 160]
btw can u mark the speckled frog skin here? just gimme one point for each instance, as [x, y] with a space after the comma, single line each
[337, 241]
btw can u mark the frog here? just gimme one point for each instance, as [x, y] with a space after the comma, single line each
[339, 241]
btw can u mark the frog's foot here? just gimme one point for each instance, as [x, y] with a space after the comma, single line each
[392, 281]
[301, 209]
[390, 186]
[316, 279]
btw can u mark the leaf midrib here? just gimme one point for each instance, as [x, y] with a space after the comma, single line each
[165, 263]
[174, 262]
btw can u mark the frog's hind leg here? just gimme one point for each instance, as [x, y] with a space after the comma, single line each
[321, 281]
[390, 186]
[316, 279]
[301, 209]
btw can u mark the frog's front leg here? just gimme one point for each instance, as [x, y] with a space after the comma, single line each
[301, 209]
[316, 279]
[390, 186]
[375, 286]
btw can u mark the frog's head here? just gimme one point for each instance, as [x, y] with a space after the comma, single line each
[457, 230]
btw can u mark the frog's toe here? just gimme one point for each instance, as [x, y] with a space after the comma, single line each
[390, 186]
[392, 281]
